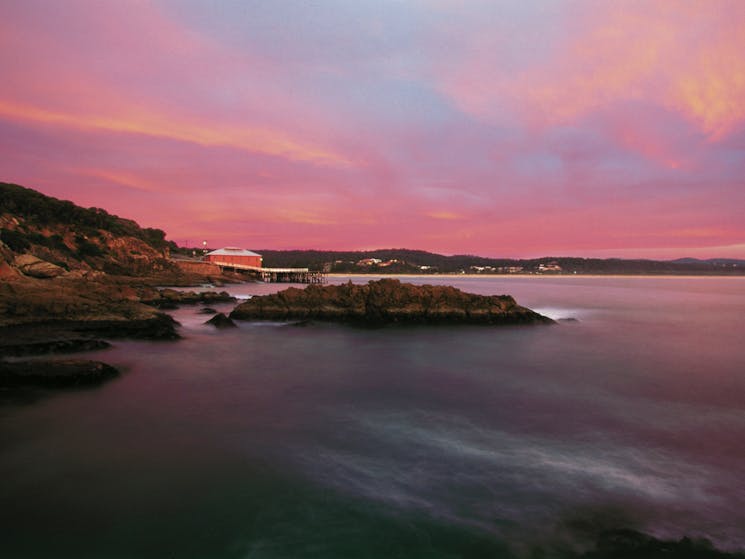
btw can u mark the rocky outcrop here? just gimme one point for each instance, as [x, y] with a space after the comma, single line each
[36, 300]
[387, 301]
[221, 321]
[30, 265]
[34, 310]
[172, 298]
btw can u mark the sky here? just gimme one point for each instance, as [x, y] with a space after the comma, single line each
[499, 128]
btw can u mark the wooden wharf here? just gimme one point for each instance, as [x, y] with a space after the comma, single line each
[275, 275]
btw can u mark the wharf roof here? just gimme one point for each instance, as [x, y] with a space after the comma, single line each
[232, 251]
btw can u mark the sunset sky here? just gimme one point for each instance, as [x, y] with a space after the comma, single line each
[498, 128]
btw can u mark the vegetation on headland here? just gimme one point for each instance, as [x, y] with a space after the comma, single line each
[75, 238]
[39, 210]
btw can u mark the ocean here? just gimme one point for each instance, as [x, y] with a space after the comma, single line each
[273, 440]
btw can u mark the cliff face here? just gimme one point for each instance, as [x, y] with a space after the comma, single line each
[387, 301]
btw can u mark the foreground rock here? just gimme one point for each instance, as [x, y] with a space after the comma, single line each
[387, 301]
[221, 321]
[35, 300]
[172, 298]
[54, 374]
[628, 544]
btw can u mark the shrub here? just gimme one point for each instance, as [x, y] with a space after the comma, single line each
[87, 248]
[15, 240]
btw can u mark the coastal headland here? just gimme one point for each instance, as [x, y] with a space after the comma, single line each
[71, 278]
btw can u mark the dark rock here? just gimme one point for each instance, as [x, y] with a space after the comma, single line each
[52, 346]
[171, 298]
[568, 319]
[387, 301]
[221, 321]
[626, 543]
[215, 297]
[68, 336]
[207, 310]
[164, 305]
[54, 374]
[159, 327]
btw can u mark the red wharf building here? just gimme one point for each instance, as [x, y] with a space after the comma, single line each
[234, 255]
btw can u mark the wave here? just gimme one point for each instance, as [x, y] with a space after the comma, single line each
[452, 469]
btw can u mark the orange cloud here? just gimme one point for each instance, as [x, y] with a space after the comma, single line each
[124, 179]
[161, 126]
[712, 90]
[702, 233]
[448, 216]
[298, 216]
[683, 56]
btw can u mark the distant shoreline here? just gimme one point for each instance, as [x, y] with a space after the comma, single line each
[540, 276]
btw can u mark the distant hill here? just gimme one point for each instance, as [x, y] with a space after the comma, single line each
[403, 261]
[711, 261]
[75, 238]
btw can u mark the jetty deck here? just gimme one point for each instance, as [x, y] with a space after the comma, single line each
[275, 275]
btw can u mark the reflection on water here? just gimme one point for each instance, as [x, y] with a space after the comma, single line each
[330, 441]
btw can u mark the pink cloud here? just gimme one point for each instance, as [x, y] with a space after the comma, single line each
[478, 127]
[682, 56]
[160, 85]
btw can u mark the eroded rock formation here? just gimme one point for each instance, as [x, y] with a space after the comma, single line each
[387, 301]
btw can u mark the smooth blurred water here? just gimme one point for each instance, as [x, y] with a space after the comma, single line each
[274, 440]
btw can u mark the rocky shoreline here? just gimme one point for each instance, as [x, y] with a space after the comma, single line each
[52, 316]
[63, 315]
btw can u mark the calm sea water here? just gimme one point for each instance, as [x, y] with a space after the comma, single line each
[332, 441]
